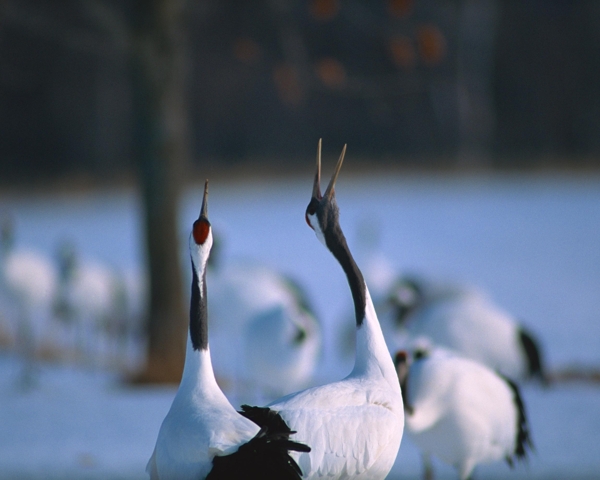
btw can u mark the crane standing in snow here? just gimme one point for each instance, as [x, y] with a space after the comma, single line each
[354, 426]
[461, 411]
[466, 320]
[202, 435]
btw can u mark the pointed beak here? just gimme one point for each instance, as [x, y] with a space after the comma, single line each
[331, 187]
[316, 193]
[204, 209]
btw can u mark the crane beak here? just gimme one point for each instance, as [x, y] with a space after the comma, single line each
[316, 193]
[331, 187]
[204, 209]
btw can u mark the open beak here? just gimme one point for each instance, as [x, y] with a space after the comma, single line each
[330, 191]
[331, 187]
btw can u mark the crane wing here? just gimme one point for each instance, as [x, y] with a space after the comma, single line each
[349, 428]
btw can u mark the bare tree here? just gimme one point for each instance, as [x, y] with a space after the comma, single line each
[151, 36]
[159, 63]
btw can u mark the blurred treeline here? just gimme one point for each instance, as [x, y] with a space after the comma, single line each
[427, 83]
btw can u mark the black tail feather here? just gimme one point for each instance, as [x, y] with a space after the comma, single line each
[267, 455]
[265, 417]
[533, 352]
[523, 440]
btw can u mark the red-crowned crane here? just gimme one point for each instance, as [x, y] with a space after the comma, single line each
[354, 426]
[202, 436]
[467, 320]
[461, 411]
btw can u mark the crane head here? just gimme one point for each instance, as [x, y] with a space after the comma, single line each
[201, 227]
[322, 212]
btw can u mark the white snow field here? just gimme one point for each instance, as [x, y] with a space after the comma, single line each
[531, 241]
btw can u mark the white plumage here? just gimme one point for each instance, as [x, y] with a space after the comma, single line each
[201, 423]
[265, 332]
[353, 426]
[29, 278]
[467, 320]
[281, 348]
[461, 411]
[93, 302]
[28, 282]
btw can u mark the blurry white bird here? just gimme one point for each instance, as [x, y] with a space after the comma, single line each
[264, 328]
[28, 282]
[466, 320]
[92, 300]
[281, 348]
[202, 435]
[26, 276]
[378, 270]
[461, 411]
[354, 426]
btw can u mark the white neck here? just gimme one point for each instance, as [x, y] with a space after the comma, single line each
[198, 375]
[372, 354]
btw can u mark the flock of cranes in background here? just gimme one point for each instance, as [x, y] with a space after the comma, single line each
[456, 354]
[67, 308]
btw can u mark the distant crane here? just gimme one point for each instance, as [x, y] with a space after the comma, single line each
[466, 320]
[28, 282]
[461, 411]
[266, 331]
[93, 303]
[202, 436]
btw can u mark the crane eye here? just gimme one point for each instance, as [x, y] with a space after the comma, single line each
[311, 209]
[200, 230]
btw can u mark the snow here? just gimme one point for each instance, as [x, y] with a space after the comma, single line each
[531, 241]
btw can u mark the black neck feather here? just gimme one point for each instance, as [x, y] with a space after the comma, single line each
[336, 242]
[198, 312]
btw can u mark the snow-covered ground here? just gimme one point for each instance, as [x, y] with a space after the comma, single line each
[531, 241]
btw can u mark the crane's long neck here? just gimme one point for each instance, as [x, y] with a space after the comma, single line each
[198, 372]
[198, 332]
[336, 242]
[372, 354]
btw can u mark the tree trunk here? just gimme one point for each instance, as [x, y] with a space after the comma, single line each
[159, 67]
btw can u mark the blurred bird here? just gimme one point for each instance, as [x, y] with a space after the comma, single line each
[265, 330]
[202, 435]
[464, 319]
[461, 411]
[354, 426]
[92, 301]
[378, 269]
[28, 282]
